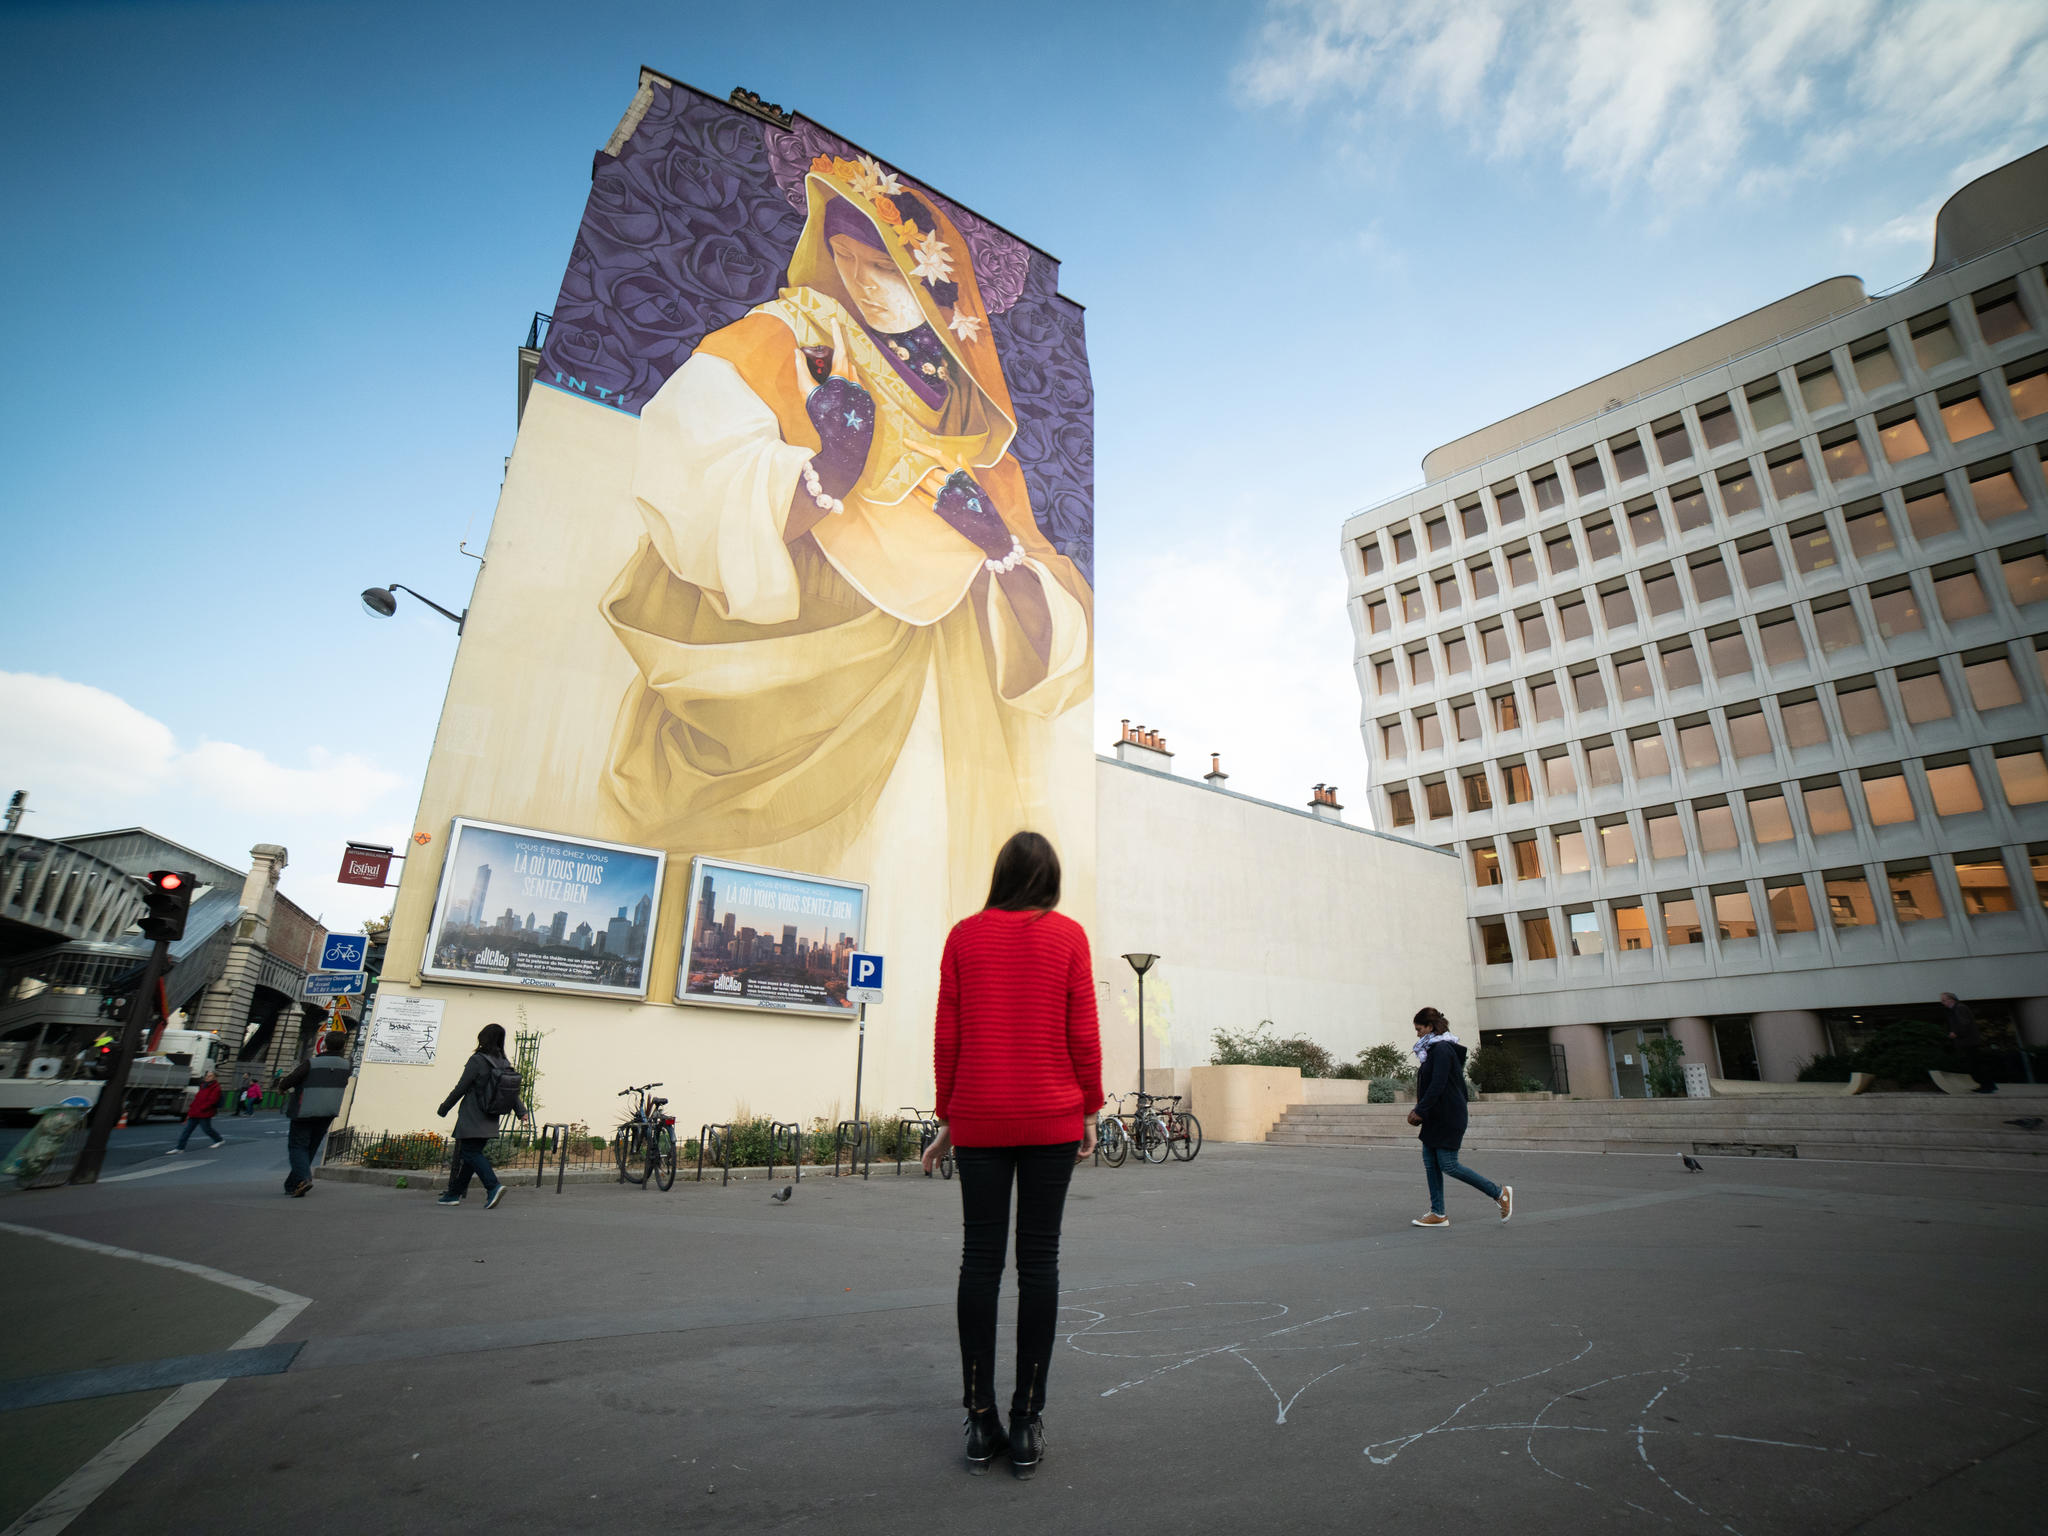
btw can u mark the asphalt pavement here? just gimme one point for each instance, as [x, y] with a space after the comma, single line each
[1257, 1340]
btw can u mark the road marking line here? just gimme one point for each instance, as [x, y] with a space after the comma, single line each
[150, 1173]
[70, 1498]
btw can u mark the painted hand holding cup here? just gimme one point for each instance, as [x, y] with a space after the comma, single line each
[966, 507]
[844, 414]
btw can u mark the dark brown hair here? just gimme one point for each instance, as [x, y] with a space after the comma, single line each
[1027, 876]
[491, 1040]
[1432, 1018]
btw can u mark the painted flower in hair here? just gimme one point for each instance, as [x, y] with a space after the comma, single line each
[886, 210]
[967, 327]
[870, 180]
[934, 261]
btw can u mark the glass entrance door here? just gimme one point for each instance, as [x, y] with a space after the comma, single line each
[1625, 1058]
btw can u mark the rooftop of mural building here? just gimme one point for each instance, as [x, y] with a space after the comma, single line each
[703, 211]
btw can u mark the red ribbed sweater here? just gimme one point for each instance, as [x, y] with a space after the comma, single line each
[1017, 1055]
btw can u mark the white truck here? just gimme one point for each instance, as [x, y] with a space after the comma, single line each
[160, 1082]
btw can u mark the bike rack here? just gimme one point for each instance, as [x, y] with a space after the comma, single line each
[859, 1145]
[553, 1138]
[786, 1133]
[723, 1161]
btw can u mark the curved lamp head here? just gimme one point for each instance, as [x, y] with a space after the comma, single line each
[379, 601]
[1141, 963]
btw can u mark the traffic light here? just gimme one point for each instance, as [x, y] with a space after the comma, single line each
[166, 895]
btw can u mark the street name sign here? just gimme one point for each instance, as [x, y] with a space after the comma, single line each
[334, 984]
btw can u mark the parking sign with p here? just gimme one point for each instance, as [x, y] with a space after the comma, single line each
[863, 978]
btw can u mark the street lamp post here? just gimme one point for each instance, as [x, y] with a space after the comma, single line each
[1141, 964]
[382, 602]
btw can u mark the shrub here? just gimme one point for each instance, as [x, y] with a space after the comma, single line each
[419, 1149]
[1386, 1060]
[1495, 1069]
[1826, 1069]
[1383, 1090]
[1255, 1048]
[1661, 1071]
[1904, 1052]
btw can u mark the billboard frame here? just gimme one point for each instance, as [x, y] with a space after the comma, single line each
[703, 863]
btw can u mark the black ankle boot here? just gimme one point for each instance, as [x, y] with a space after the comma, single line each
[1027, 1443]
[985, 1439]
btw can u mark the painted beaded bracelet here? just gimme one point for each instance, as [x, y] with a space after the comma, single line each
[817, 490]
[1009, 562]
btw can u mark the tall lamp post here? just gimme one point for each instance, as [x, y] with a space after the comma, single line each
[1141, 964]
[382, 602]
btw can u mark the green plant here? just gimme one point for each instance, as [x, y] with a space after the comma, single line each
[1903, 1052]
[1826, 1069]
[419, 1149]
[1383, 1090]
[1495, 1069]
[1387, 1060]
[402, 1183]
[1661, 1071]
[1256, 1048]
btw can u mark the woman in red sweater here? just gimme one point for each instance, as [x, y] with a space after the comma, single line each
[1018, 1062]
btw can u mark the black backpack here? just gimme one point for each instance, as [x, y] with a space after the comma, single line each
[499, 1091]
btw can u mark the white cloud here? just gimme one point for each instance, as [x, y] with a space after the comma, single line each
[1679, 97]
[92, 761]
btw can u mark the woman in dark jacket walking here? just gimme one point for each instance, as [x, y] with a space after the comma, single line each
[1018, 1063]
[1440, 1111]
[476, 1125]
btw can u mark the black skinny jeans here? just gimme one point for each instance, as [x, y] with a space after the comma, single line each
[1041, 1175]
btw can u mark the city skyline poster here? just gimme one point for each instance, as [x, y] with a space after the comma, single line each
[523, 908]
[769, 938]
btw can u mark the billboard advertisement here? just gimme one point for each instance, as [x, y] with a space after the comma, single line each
[768, 938]
[538, 909]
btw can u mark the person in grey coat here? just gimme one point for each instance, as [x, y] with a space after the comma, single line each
[316, 1086]
[476, 1125]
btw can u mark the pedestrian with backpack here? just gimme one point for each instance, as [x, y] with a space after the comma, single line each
[1440, 1111]
[315, 1086]
[488, 1091]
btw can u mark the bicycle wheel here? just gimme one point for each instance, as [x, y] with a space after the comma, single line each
[1114, 1145]
[946, 1166]
[1189, 1142]
[1152, 1139]
[661, 1159]
[632, 1154]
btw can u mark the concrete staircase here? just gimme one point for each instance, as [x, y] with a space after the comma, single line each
[1868, 1128]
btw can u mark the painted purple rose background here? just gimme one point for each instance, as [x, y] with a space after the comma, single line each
[691, 226]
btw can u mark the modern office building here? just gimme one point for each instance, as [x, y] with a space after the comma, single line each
[1726, 675]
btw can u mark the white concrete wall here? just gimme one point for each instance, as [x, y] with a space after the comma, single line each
[1262, 912]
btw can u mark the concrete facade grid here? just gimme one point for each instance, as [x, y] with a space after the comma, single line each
[1616, 572]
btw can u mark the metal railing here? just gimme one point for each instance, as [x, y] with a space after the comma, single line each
[64, 891]
[537, 333]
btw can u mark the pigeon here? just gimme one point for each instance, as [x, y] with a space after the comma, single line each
[2027, 1122]
[1691, 1164]
[787, 1191]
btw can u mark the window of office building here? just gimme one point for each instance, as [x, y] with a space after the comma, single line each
[1899, 435]
[1420, 668]
[1929, 512]
[1411, 605]
[1660, 591]
[1521, 566]
[1964, 417]
[1574, 621]
[1465, 719]
[1544, 699]
[1848, 894]
[1791, 475]
[1885, 794]
[1696, 745]
[1760, 567]
[1769, 819]
[1954, 788]
[1617, 608]
[1587, 691]
[1999, 316]
[1376, 617]
[1527, 857]
[2037, 854]
[1923, 696]
[1875, 366]
[2023, 775]
[1630, 463]
[1586, 938]
[1602, 542]
[1603, 764]
[1778, 634]
[1834, 624]
[1819, 387]
[1632, 676]
[1537, 938]
[1587, 479]
[1402, 807]
[1507, 502]
[1485, 865]
[1716, 822]
[1438, 531]
[1617, 845]
[1404, 545]
[1727, 652]
[1478, 793]
[1681, 920]
[1862, 708]
[2026, 578]
[1631, 925]
[1934, 340]
[1689, 509]
[1436, 796]
[1870, 531]
[1457, 656]
[1557, 775]
[1767, 405]
[1813, 547]
[1749, 734]
[1991, 682]
[1446, 592]
[1739, 493]
[1732, 912]
[1709, 578]
[1484, 578]
[1392, 743]
[1506, 717]
[1369, 555]
[1897, 608]
[1790, 907]
[1681, 664]
[1535, 633]
[1996, 495]
[1960, 593]
[1429, 731]
[1515, 779]
[1571, 851]
[1384, 678]
[1549, 493]
[2028, 391]
[1805, 724]
[1645, 527]
[1915, 896]
[1651, 757]
[1717, 423]
[1561, 555]
[1472, 518]
[1493, 943]
[1673, 446]
[1842, 456]
[1666, 833]
[1827, 807]
[1982, 880]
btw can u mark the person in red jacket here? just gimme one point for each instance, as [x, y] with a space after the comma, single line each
[1018, 1062]
[205, 1105]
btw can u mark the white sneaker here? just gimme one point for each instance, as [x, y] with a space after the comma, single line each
[174, 1152]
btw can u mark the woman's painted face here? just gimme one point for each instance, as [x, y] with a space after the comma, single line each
[875, 285]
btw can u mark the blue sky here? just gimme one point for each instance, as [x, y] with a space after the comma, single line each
[269, 265]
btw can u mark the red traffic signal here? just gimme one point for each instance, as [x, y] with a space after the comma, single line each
[166, 897]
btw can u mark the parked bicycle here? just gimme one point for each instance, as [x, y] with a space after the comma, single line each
[645, 1144]
[1120, 1133]
[1183, 1130]
[926, 1123]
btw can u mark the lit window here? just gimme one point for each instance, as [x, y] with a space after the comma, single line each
[1965, 418]
[1585, 932]
[1438, 531]
[1739, 493]
[1446, 593]
[1749, 734]
[1546, 701]
[1603, 765]
[1790, 907]
[1781, 643]
[1645, 527]
[1392, 744]
[1505, 716]
[1955, 791]
[1805, 725]
[1813, 549]
[1997, 496]
[1717, 828]
[1557, 775]
[2029, 394]
[1681, 665]
[1493, 940]
[1485, 580]
[1465, 720]
[1790, 475]
[1689, 509]
[1516, 777]
[1961, 596]
[1478, 793]
[2001, 319]
[1429, 731]
[1991, 683]
[1886, 795]
[1507, 501]
[1537, 938]
[1631, 925]
[1521, 567]
[1528, 858]
[1630, 463]
[1617, 608]
[1457, 656]
[1730, 657]
[1681, 920]
[1548, 492]
[1535, 634]
[1652, 757]
[2026, 579]
[1561, 555]
[1571, 852]
[1901, 438]
[1862, 711]
[1870, 534]
[1602, 542]
[1587, 692]
[1875, 366]
[1404, 546]
[1437, 797]
[1827, 809]
[1819, 388]
[1849, 904]
[1717, 425]
[1915, 897]
[2024, 778]
[1842, 456]
[1836, 628]
[1673, 446]
[1574, 621]
[1402, 806]
[1667, 836]
[1732, 915]
[1660, 591]
[1632, 677]
[1769, 819]
[1696, 746]
[1411, 605]
[1485, 865]
[1984, 885]
[1617, 847]
[1369, 553]
[1934, 343]
[1587, 479]
[1924, 698]
[1710, 579]
[1898, 612]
